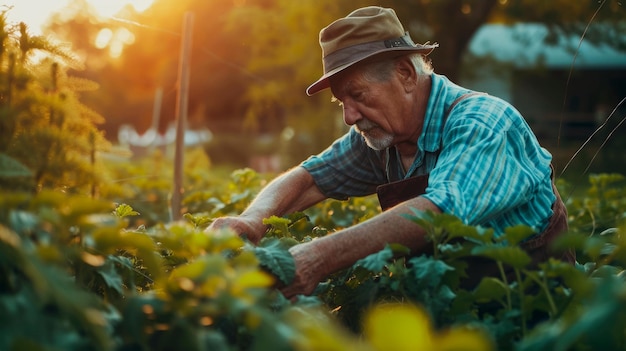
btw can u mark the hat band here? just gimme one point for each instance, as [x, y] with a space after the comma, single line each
[355, 53]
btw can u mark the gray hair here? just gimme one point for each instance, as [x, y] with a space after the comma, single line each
[381, 70]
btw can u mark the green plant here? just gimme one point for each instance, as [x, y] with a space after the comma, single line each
[48, 138]
[97, 275]
[540, 308]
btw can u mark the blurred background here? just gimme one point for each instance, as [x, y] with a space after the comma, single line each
[562, 63]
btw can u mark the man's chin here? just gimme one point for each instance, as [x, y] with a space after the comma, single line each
[377, 144]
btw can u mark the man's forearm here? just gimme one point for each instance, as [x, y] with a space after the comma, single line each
[292, 191]
[342, 249]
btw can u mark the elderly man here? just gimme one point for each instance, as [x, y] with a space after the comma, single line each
[418, 140]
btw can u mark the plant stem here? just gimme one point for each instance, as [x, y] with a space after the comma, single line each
[544, 286]
[508, 290]
[521, 300]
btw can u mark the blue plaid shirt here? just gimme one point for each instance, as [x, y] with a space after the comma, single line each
[485, 164]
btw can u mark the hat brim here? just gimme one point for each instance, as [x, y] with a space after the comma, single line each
[322, 83]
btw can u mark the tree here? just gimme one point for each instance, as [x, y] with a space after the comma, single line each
[451, 23]
[252, 60]
[48, 137]
[286, 60]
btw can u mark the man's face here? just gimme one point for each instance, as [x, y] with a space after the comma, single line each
[373, 107]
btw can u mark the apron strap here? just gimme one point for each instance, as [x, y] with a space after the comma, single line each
[393, 193]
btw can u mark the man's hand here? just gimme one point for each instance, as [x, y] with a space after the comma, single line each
[251, 229]
[317, 259]
[292, 191]
[310, 270]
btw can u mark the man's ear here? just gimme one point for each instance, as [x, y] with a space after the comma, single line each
[406, 73]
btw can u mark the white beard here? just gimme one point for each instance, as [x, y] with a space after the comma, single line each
[375, 137]
[381, 143]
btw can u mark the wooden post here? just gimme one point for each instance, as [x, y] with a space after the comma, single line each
[156, 116]
[181, 116]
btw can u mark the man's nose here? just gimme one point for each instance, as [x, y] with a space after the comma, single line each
[350, 115]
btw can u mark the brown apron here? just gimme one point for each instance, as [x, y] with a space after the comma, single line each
[538, 247]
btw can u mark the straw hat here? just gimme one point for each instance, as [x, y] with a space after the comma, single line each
[363, 33]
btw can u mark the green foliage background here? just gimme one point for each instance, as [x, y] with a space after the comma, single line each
[252, 61]
[97, 273]
[90, 261]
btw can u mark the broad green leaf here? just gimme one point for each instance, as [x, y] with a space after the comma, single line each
[594, 246]
[249, 280]
[198, 220]
[455, 250]
[277, 260]
[450, 226]
[243, 285]
[591, 329]
[456, 229]
[575, 241]
[124, 210]
[297, 216]
[445, 219]
[272, 334]
[573, 276]
[606, 271]
[490, 289]
[222, 240]
[376, 261]
[427, 270]
[245, 259]
[516, 234]
[608, 249]
[111, 277]
[511, 255]
[446, 294]
[110, 240]
[125, 263]
[463, 303]
[280, 226]
[202, 268]
[399, 249]
[75, 309]
[422, 218]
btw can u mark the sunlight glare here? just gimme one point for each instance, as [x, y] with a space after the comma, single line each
[110, 8]
[103, 38]
[116, 41]
[23, 10]
[123, 37]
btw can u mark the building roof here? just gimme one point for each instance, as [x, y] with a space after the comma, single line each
[523, 45]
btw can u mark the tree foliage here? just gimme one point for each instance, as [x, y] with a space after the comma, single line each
[48, 138]
[252, 60]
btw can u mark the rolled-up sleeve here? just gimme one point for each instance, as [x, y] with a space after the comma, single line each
[346, 168]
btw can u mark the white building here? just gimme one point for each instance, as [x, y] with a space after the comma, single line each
[570, 87]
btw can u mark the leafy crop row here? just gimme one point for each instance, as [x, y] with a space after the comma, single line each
[84, 273]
